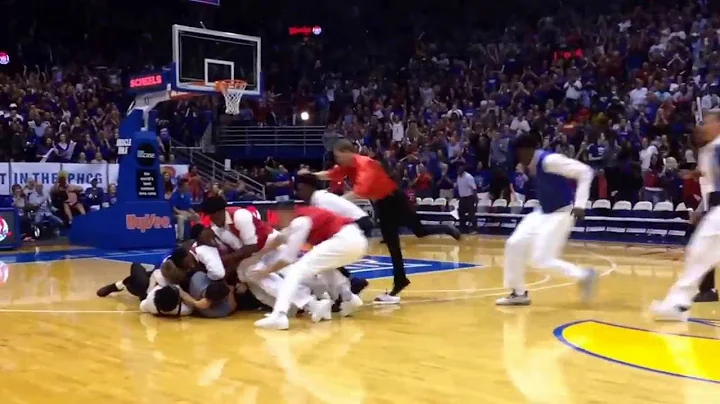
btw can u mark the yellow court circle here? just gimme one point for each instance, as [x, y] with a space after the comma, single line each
[675, 354]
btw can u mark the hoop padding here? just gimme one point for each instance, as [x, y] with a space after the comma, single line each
[233, 91]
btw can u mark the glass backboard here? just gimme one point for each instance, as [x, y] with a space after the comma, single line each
[201, 57]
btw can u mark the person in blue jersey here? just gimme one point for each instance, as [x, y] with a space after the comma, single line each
[539, 238]
[701, 254]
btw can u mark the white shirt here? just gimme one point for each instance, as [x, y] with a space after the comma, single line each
[646, 156]
[148, 305]
[398, 133]
[638, 96]
[520, 125]
[243, 221]
[572, 90]
[336, 204]
[296, 235]
[466, 185]
[570, 168]
[210, 257]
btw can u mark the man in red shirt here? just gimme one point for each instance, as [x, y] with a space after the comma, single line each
[337, 241]
[371, 181]
[246, 244]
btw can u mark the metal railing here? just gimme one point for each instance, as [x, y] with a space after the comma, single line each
[211, 170]
[271, 136]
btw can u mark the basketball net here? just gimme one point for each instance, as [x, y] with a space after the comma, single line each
[233, 91]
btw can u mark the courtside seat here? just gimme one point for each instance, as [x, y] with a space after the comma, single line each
[643, 205]
[681, 207]
[500, 203]
[439, 204]
[530, 205]
[622, 205]
[500, 206]
[622, 209]
[483, 205]
[417, 201]
[425, 204]
[588, 205]
[515, 204]
[664, 206]
[601, 207]
[601, 204]
[453, 204]
[643, 209]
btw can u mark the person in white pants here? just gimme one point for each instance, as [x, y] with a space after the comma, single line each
[337, 241]
[540, 236]
[241, 230]
[702, 252]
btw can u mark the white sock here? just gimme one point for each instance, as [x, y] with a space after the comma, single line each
[119, 285]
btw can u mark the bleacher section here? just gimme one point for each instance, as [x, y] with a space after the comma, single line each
[643, 222]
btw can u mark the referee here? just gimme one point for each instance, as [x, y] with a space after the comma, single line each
[371, 181]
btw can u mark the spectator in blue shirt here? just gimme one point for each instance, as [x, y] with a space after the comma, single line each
[482, 179]
[181, 203]
[94, 195]
[283, 185]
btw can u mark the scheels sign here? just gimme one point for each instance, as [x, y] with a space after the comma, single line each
[146, 81]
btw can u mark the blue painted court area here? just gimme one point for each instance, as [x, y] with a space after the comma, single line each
[370, 267]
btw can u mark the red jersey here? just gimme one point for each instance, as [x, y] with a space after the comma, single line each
[260, 229]
[368, 178]
[325, 223]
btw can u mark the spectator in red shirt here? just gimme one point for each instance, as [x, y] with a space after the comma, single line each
[195, 185]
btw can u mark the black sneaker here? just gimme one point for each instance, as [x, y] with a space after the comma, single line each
[706, 296]
[357, 285]
[398, 287]
[107, 290]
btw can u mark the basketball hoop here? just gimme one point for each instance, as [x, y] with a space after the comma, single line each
[233, 91]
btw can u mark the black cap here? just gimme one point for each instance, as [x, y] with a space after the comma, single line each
[213, 204]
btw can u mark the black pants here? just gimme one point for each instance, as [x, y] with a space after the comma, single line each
[394, 211]
[466, 210]
[138, 281]
[366, 224]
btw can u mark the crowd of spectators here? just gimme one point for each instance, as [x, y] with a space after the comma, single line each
[613, 87]
[617, 91]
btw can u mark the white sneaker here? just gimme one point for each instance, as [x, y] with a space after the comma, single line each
[663, 311]
[588, 285]
[321, 310]
[387, 299]
[349, 307]
[514, 299]
[274, 322]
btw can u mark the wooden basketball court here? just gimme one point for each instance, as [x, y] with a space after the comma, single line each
[447, 343]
